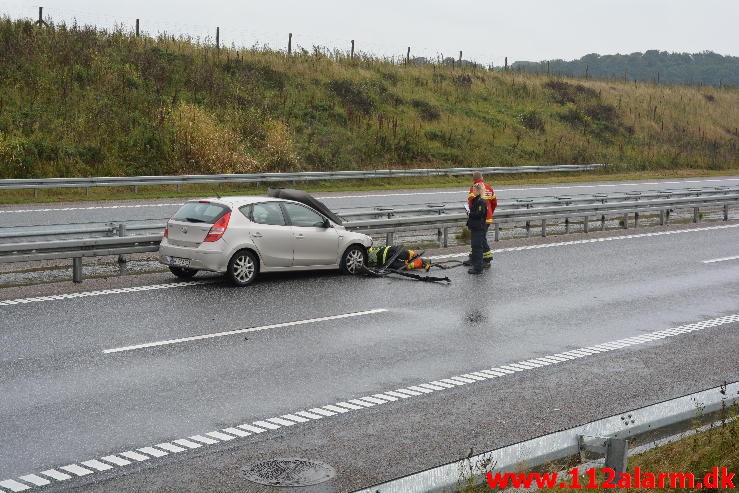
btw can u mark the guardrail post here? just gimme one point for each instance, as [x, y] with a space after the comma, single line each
[35, 193]
[661, 217]
[446, 236]
[617, 452]
[726, 212]
[497, 232]
[636, 220]
[667, 216]
[567, 225]
[179, 187]
[77, 269]
[626, 221]
[585, 224]
[603, 222]
[87, 191]
[528, 228]
[121, 232]
[696, 215]
[543, 228]
[440, 237]
[389, 239]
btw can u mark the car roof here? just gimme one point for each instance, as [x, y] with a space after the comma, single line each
[234, 202]
[237, 201]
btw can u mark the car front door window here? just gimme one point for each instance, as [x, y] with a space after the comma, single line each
[303, 217]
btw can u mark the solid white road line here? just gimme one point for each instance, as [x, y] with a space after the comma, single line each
[242, 331]
[400, 192]
[135, 206]
[85, 294]
[361, 403]
[593, 240]
[523, 189]
[725, 259]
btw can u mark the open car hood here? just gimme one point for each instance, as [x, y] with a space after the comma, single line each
[304, 198]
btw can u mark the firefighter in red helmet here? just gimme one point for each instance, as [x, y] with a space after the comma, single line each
[492, 202]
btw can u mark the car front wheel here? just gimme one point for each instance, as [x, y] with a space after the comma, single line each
[182, 272]
[354, 260]
[242, 268]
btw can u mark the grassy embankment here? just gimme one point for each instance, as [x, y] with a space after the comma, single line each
[77, 101]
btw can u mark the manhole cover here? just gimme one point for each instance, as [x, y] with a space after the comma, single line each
[288, 472]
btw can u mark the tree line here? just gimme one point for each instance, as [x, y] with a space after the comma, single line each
[706, 68]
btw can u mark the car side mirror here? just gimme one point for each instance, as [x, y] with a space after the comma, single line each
[326, 223]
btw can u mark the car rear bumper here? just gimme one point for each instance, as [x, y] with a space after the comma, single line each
[213, 261]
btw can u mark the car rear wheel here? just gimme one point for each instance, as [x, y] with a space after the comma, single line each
[354, 259]
[242, 268]
[182, 272]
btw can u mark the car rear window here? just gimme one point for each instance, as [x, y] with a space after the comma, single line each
[200, 212]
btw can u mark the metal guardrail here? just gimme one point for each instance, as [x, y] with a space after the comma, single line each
[135, 181]
[85, 247]
[124, 244]
[535, 202]
[150, 225]
[566, 443]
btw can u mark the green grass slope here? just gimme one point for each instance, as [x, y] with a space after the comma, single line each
[77, 101]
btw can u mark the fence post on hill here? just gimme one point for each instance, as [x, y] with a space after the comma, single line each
[137, 28]
[289, 44]
[460, 58]
[40, 21]
[218, 38]
[352, 54]
[506, 64]
[408, 56]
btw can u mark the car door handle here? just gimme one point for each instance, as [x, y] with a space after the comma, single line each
[257, 235]
[300, 236]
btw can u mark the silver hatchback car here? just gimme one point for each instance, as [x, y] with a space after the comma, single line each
[243, 236]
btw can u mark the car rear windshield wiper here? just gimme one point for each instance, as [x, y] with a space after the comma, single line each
[194, 220]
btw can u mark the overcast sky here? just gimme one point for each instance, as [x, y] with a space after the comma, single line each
[485, 30]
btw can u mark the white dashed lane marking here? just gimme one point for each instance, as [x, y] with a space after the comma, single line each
[122, 459]
[242, 331]
[725, 259]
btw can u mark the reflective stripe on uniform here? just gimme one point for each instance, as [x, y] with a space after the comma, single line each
[384, 255]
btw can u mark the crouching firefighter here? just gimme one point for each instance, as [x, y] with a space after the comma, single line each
[396, 258]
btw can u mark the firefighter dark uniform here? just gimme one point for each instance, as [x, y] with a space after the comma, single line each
[397, 257]
[492, 202]
[476, 224]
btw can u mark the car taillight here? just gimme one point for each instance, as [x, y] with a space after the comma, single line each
[166, 230]
[217, 230]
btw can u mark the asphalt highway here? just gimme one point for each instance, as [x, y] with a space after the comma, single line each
[140, 212]
[85, 377]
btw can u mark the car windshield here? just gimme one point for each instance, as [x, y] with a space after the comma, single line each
[200, 212]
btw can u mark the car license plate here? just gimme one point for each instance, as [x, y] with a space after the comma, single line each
[179, 262]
